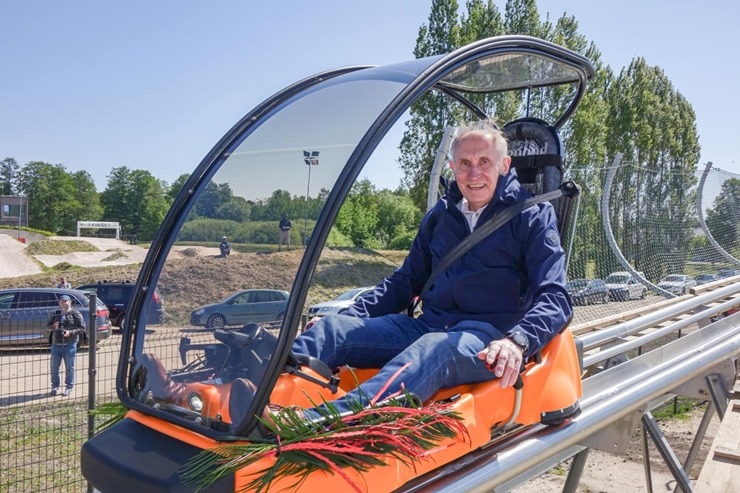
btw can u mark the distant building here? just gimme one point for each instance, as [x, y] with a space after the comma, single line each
[13, 210]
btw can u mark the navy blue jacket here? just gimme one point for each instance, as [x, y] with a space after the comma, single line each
[514, 279]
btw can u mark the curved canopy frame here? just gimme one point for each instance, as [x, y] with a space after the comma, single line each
[488, 66]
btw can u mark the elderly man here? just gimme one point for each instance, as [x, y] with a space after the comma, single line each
[486, 314]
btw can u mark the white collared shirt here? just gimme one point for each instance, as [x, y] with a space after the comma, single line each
[471, 216]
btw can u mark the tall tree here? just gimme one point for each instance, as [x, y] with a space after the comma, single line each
[722, 218]
[136, 199]
[430, 114]
[9, 175]
[655, 128]
[51, 195]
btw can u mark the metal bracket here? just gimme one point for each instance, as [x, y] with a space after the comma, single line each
[617, 436]
[700, 387]
[650, 427]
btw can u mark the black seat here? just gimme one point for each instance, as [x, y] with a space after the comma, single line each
[536, 154]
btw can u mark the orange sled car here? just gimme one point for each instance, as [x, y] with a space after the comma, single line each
[195, 397]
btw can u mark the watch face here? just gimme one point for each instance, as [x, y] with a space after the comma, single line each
[519, 339]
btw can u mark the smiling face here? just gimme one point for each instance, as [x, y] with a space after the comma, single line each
[478, 159]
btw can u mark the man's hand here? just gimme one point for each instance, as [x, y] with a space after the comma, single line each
[310, 323]
[504, 359]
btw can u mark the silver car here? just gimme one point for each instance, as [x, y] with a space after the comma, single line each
[24, 314]
[623, 286]
[677, 283]
[243, 307]
[342, 301]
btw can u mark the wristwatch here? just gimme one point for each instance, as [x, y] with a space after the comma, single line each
[520, 340]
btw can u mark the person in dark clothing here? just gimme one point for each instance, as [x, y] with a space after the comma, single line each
[483, 317]
[66, 326]
[225, 247]
[64, 283]
[284, 226]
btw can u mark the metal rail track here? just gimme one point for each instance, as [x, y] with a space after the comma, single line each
[700, 364]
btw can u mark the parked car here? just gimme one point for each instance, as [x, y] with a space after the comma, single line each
[624, 286]
[677, 283]
[728, 273]
[242, 307]
[117, 296]
[587, 291]
[342, 301]
[705, 278]
[24, 313]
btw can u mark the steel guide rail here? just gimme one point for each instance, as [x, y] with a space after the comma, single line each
[626, 389]
[603, 336]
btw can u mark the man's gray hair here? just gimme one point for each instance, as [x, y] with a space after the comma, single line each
[486, 127]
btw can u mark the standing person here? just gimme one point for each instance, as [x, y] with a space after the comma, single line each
[67, 325]
[63, 283]
[224, 247]
[483, 317]
[284, 232]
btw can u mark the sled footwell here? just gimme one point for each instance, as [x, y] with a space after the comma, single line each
[132, 457]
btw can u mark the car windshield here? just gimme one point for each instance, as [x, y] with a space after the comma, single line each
[294, 158]
[577, 284]
[617, 279]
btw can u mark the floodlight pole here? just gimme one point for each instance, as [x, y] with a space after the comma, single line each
[311, 159]
[20, 214]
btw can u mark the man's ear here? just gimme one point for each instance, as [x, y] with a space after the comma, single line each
[505, 165]
[452, 165]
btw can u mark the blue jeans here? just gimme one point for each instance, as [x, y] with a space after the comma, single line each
[437, 358]
[66, 353]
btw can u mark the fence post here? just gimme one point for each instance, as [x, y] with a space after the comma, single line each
[92, 350]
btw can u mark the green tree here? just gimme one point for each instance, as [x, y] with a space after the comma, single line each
[358, 217]
[722, 218]
[397, 217]
[430, 114]
[52, 197]
[135, 199]
[655, 127]
[9, 176]
[174, 189]
[214, 197]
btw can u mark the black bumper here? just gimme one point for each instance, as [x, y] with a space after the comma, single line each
[130, 457]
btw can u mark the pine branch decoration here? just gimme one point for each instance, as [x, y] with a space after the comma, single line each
[359, 441]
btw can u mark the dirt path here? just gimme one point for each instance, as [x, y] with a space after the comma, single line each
[13, 260]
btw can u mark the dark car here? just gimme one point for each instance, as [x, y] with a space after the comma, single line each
[728, 273]
[705, 278]
[587, 291]
[24, 314]
[117, 296]
[242, 307]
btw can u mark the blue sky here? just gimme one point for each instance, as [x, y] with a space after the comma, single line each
[154, 85]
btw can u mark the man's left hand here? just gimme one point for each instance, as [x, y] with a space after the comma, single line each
[504, 359]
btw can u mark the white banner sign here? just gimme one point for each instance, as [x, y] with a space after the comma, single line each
[97, 224]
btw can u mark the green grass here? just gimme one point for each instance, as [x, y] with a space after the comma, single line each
[679, 408]
[40, 447]
[59, 247]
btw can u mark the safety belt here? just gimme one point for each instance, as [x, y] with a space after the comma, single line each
[568, 189]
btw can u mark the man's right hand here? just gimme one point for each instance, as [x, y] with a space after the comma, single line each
[311, 323]
[504, 359]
